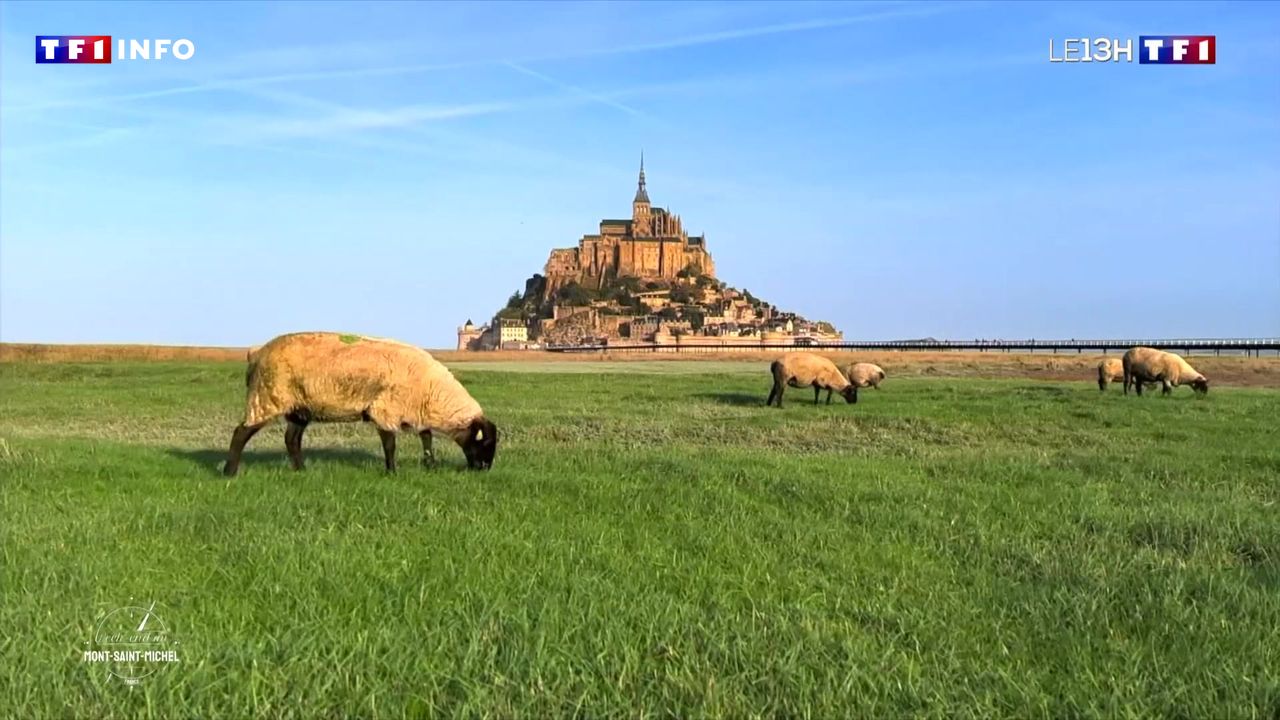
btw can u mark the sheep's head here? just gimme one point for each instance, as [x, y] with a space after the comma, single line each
[1200, 385]
[850, 393]
[480, 443]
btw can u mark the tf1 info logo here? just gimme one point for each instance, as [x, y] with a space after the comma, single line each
[96, 49]
[1152, 50]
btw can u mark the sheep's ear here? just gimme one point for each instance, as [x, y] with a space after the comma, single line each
[482, 431]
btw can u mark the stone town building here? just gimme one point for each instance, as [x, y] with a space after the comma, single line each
[511, 330]
[469, 336]
[502, 333]
[651, 245]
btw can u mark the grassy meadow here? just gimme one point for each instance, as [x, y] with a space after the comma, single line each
[652, 541]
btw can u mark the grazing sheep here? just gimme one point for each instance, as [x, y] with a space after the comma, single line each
[1148, 365]
[1110, 370]
[327, 377]
[801, 369]
[863, 375]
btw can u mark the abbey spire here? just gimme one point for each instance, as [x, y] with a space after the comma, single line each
[642, 195]
[641, 221]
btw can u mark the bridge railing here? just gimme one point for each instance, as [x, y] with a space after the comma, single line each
[1248, 346]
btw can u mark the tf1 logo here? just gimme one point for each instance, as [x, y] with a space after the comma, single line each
[96, 49]
[1152, 50]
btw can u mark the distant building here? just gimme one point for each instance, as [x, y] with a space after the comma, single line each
[643, 328]
[512, 331]
[654, 299]
[651, 245]
[469, 336]
[648, 265]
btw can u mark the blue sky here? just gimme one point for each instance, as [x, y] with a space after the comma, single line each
[902, 170]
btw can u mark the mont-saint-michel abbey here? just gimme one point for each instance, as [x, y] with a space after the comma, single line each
[642, 280]
[651, 245]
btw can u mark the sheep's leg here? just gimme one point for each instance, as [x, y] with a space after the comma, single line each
[816, 392]
[780, 389]
[388, 448]
[428, 455]
[293, 440]
[239, 439]
[1137, 386]
[773, 393]
[1165, 387]
[1127, 382]
[855, 394]
[828, 396]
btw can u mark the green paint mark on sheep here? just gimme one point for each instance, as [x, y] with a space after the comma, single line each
[349, 339]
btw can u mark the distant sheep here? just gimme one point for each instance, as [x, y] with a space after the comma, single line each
[1110, 370]
[803, 369]
[326, 377]
[863, 375]
[1148, 365]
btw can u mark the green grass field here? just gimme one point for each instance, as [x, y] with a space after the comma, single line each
[649, 544]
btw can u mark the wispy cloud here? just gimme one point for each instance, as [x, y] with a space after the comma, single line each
[416, 136]
[920, 66]
[236, 84]
[314, 119]
[358, 119]
[729, 35]
[602, 99]
[96, 138]
[520, 64]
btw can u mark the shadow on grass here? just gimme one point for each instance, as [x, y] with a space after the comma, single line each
[212, 460]
[735, 398]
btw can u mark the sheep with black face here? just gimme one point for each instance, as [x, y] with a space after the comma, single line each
[327, 377]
